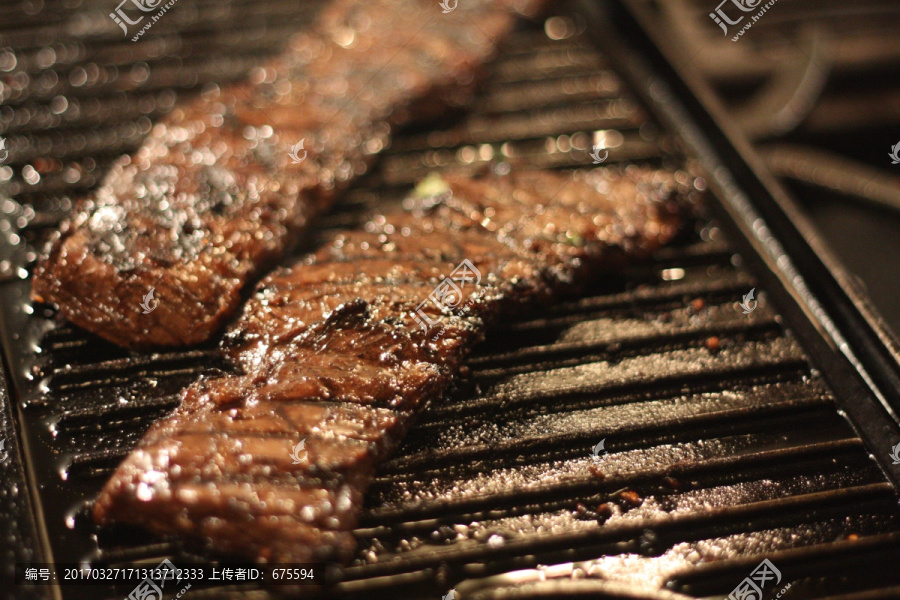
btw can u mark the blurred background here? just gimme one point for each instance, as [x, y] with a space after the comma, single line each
[816, 85]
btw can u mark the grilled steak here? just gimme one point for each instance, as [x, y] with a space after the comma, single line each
[341, 350]
[226, 182]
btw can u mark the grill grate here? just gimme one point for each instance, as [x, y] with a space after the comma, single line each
[723, 442]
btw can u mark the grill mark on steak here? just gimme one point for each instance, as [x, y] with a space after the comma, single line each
[346, 366]
[211, 199]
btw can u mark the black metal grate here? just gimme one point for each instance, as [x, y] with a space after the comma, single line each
[723, 444]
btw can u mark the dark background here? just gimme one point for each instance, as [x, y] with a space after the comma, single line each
[851, 113]
[865, 238]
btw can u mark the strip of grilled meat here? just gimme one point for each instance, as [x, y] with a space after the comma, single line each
[221, 188]
[339, 352]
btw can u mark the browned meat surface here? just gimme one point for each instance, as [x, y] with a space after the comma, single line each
[332, 353]
[214, 196]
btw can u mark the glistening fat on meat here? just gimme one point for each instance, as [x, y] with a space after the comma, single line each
[214, 195]
[340, 351]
